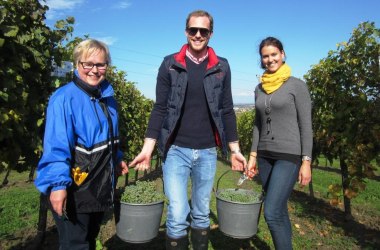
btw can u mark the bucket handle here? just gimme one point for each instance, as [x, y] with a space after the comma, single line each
[217, 183]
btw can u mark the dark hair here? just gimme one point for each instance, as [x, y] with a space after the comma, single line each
[199, 13]
[270, 41]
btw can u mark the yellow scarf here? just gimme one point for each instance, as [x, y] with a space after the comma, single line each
[272, 81]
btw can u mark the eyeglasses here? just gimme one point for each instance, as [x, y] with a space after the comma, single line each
[90, 65]
[192, 31]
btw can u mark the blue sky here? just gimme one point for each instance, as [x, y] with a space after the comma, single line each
[141, 32]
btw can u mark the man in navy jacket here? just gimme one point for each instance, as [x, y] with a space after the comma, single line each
[193, 114]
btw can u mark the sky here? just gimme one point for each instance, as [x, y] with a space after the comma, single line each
[140, 33]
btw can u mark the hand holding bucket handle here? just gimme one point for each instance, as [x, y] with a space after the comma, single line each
[251, 170]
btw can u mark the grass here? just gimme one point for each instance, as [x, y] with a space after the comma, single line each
[322, 179]
[19, 206]
[315, 224]
[17, 203]
[329, 221]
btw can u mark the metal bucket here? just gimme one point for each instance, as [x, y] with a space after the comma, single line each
[236, 219]
[139, 223]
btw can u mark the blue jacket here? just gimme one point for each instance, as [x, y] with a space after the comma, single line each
[77, 134]
[170, 94]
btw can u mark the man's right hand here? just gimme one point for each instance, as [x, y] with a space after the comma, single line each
[142, 160]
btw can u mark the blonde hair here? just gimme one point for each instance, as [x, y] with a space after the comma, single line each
[89, 46]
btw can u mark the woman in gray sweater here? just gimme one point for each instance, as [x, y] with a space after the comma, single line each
[282, 138]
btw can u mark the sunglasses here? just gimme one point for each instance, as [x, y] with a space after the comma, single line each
[192, 31]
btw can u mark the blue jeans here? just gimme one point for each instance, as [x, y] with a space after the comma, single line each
[278, 178]
[180, 164]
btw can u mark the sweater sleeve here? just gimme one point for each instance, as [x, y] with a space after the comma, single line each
[53, 172]
[229, 116]
[160, 106]
[303, 106]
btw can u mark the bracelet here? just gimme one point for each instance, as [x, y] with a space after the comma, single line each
[237, 151]
[253, 154]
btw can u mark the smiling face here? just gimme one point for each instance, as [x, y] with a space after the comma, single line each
[93, 76]
[198, 42]
[272, 58]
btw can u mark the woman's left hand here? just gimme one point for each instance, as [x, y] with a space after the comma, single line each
[304, 175]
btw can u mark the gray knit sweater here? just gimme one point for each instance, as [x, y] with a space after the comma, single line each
[289, 130]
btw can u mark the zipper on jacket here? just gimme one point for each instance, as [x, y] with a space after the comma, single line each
[93, 99]
[111, 139]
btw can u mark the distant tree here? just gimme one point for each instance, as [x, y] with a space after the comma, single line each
[245, 122]
[27, 47]
[346, 110]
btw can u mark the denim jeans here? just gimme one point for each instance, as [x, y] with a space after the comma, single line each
[278, 178]
[180, 164]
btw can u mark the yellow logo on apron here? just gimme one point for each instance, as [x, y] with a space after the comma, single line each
[78, 175]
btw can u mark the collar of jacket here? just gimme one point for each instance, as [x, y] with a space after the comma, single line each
[212, 57]
[92, 91]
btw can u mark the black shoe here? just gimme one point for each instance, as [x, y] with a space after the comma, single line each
[178, 244]
[199, 238]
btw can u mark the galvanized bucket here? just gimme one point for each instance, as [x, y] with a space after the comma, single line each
[237, 219]
[139, 223]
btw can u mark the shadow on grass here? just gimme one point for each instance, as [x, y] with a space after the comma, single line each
[367, 238]
[48, 241]
[222, 242]
[115, 243]
[328, 169]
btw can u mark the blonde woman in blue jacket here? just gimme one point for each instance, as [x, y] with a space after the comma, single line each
[81, 155]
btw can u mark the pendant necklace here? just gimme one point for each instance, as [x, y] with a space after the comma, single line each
[268, 108]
